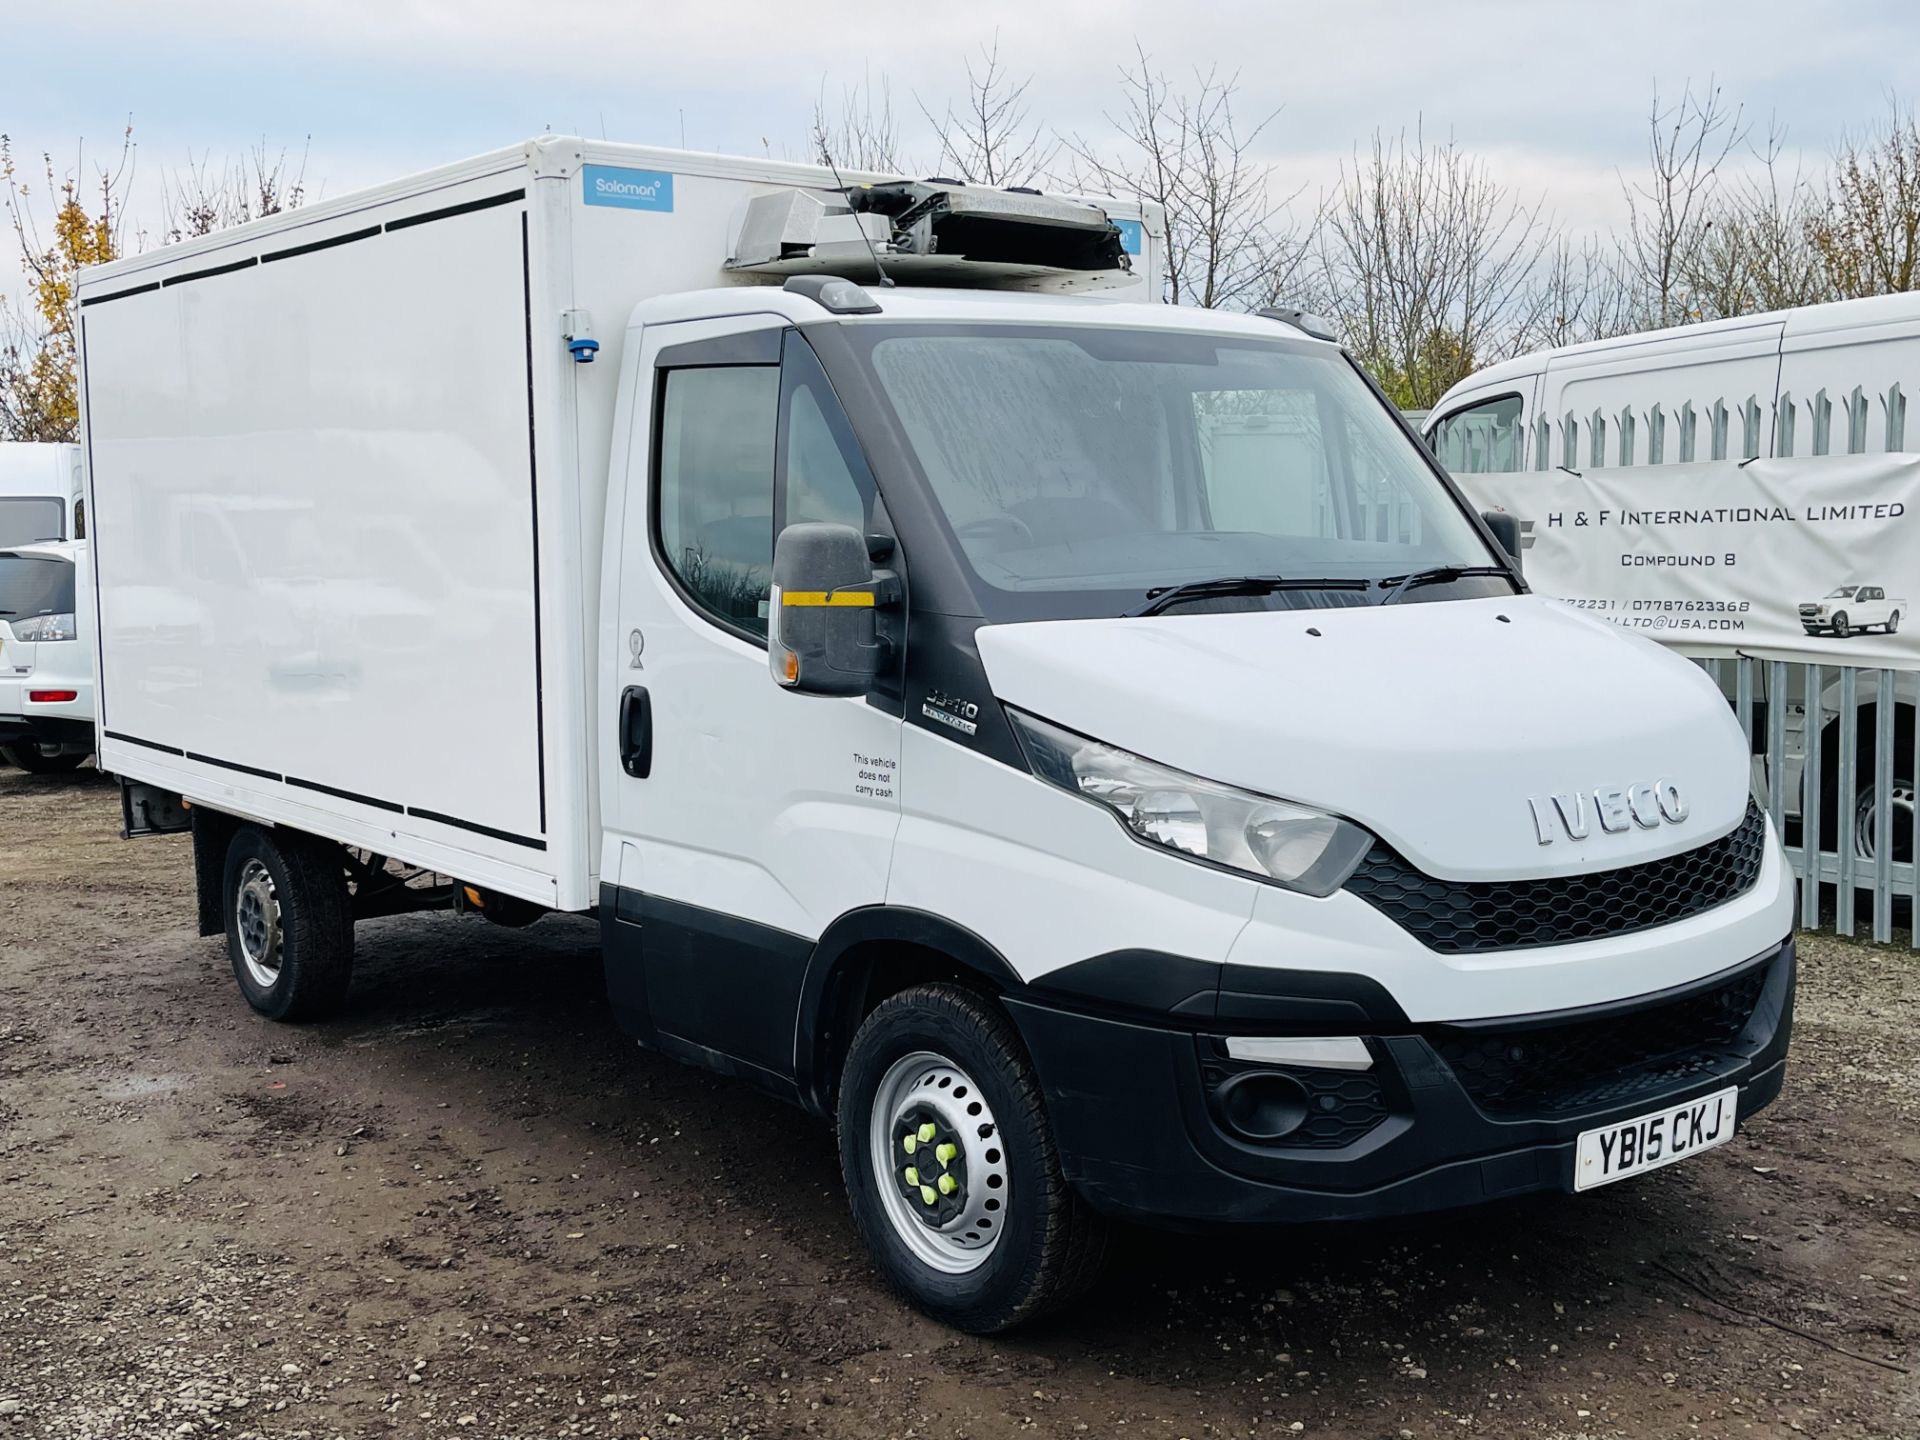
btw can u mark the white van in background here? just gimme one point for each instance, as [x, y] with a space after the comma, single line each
[46, 656]
[1819, 380]
[40, 493]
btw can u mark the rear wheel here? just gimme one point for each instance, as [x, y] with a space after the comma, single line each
[289, 923]
[1893, 623]
[45, 760]
[951, 1168]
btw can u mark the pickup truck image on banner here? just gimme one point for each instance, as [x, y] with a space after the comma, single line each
[1810, 558]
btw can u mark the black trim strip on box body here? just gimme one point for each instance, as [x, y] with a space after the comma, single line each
[446, 212]
[313, 245]
[334, 790]
[477, 828]
[533, 490]
[465, 208]
[211, 271]
[120, 294]
[235, 765]
[146, 744]
[352, 795]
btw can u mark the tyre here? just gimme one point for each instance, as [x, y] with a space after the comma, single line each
[1841, 627]
[289, 923]
[1893, 623]
[951, 1168]
[36, 761]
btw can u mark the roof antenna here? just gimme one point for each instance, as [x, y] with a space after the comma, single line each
[885, 279]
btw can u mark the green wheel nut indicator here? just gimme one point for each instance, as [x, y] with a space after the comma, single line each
[948, 1184]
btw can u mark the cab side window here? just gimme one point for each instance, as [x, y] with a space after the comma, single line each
[1482, 439]
[714, 488]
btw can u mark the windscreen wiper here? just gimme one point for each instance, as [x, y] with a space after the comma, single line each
[1434, 574]
[1164, 596]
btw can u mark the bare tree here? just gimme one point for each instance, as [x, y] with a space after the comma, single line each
[1428, 263]
[990, 140]
[862, 133]
[1868, 233]
[200, 197]
[1668, 210]
[1229, 241]
[1579, 295]
[1752, 247]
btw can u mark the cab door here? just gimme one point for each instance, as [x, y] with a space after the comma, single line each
[743, 818]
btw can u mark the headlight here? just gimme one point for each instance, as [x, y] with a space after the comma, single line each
[44, 627]
[1305, 850]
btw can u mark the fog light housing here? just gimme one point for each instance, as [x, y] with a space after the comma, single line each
[1263, 1106]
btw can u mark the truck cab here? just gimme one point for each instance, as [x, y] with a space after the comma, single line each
[1311, 866]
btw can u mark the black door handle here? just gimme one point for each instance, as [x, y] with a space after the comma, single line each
[636, 731]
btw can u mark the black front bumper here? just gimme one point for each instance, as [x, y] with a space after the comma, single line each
[1447, 1116]
[45, 730]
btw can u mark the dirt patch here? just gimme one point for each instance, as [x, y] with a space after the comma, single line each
[469, 1208]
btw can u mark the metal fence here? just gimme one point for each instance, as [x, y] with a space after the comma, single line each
[1839, 769]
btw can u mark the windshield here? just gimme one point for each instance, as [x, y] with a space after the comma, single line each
[1082, 469]
[26, 518]
[1845, 592]
[35, 585]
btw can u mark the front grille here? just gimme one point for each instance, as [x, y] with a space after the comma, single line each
[1590, 1064]
[1458, 917]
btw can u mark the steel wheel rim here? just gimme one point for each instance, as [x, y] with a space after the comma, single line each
[257, 916]
[957, 1231]
[1901, 804]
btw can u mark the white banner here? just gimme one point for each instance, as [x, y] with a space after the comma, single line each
[1815, 558]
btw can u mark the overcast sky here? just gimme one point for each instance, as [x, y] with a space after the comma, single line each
[1553, 93]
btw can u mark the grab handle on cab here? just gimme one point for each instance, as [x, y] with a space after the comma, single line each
[636, 731]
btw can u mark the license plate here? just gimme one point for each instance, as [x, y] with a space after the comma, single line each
[1637, 1146]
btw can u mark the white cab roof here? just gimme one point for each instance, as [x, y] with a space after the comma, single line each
[957, 304]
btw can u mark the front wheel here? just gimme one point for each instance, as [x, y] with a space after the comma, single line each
[289, 923]
[951, 1168]
[49, 761]
[1842, 627]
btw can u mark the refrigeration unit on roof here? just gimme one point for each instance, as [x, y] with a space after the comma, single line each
[931, 233]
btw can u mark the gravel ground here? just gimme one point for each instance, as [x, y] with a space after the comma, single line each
[469, 1208]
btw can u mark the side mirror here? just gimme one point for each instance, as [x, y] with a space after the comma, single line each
[1506, 529]
[823, 620]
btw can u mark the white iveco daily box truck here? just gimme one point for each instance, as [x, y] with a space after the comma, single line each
[1085, 747]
